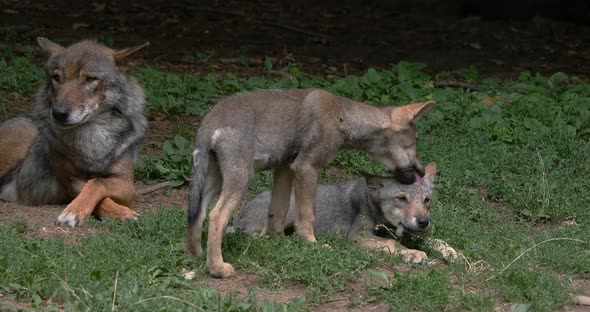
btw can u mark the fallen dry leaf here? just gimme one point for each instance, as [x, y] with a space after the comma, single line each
[493, 99]
[188, 275]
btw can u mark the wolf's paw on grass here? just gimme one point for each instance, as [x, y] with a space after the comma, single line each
[224, 270]
[68, 218]
[414, 256]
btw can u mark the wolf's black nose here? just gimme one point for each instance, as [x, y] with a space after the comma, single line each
[423, 222]
[61, 115]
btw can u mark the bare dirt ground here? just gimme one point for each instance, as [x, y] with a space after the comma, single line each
[329, 37]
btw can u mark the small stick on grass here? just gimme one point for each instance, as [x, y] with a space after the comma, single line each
[153, 188]
[453, 84]
[171, 298]
[115, 291]
[533, 247]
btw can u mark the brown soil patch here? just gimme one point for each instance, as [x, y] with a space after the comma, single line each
[351, 299]
[39, 220]
[582, 286]
[332, 37]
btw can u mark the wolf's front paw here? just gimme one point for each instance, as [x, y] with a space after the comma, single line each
[110, 209]
[414, 256]
[307, 235]
[130, 216]
[68, 218]
[223, 270]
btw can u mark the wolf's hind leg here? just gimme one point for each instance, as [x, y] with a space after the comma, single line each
[17, 137]
[235, 183]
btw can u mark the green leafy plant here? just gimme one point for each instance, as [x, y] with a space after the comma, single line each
[173, 165]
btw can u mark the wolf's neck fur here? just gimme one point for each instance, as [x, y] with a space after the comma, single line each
[360, 122]
[95, 145]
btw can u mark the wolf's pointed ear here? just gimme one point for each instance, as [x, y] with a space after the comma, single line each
[49, 46]
[122, 55]
[417, 110]
[411, 112]
[430, 174]
[374, 183]
[403, 116]
[430, 170]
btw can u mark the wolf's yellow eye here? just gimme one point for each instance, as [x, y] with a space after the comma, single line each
[90, 79]
[426, 201]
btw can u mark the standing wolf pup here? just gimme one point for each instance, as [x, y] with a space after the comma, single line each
[295, 132]
[341, 208]
[80, 143]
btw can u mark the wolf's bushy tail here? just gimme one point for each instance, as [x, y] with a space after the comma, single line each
[197, 183]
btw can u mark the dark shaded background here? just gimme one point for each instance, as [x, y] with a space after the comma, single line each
[499, 37]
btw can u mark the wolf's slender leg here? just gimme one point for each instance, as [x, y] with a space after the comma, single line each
[305, 187]
[390, 246]
[107, 208]
[280, 199]
[235, 183]
[120, 190]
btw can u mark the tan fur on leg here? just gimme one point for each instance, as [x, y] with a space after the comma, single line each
[390, 246]
[279, 203]
[218, 218]
[305, 187]
[234, 186]
[92, 193]
[107, 208]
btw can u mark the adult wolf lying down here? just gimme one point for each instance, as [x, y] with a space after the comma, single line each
[78, 145]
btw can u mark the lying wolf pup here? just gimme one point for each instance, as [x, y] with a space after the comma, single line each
[341, 208]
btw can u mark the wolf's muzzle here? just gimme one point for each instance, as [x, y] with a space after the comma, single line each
[423, 222]
[60, 115]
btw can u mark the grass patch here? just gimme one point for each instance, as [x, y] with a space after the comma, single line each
[143, 259]
[323, 270]
[426, 290]
[513, 162]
